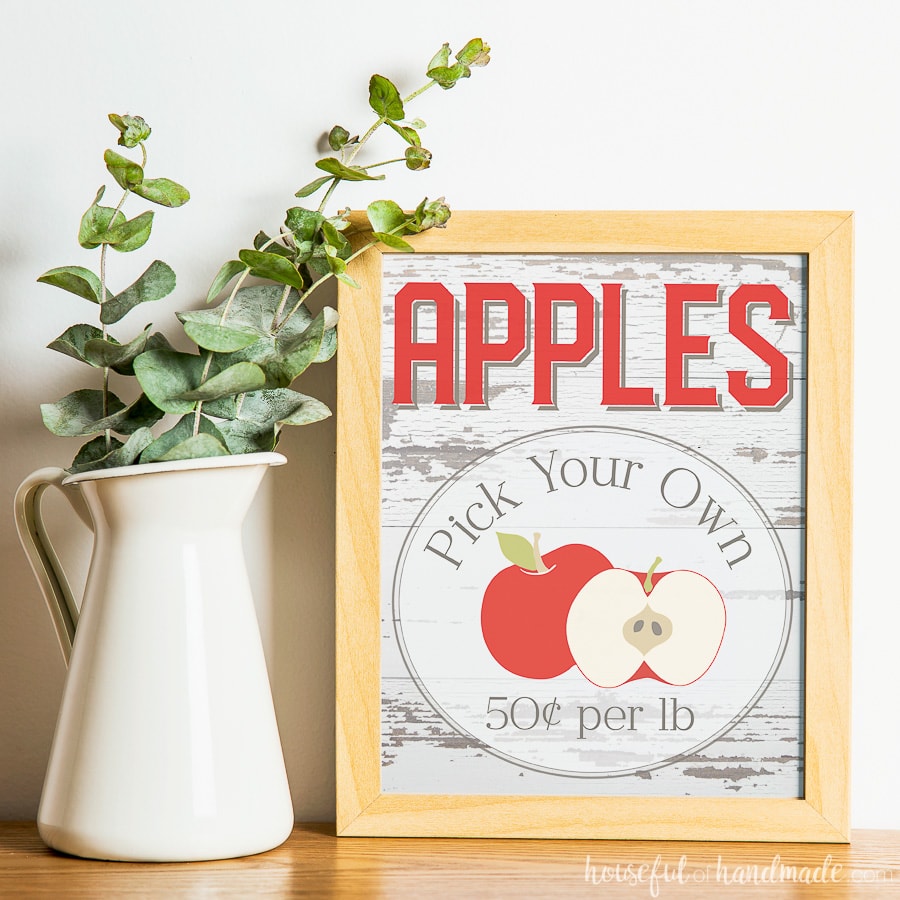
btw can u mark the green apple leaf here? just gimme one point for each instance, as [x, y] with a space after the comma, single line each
[518, 550]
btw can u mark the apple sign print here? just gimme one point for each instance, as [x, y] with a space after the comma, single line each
[544, 614]
[528, 603]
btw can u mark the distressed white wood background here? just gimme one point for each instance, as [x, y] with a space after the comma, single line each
[424, 749]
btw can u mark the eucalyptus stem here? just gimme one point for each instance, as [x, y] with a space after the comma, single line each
[362, 141]
[103, 328]
[328, 193]
[281, 305]
[419, 91]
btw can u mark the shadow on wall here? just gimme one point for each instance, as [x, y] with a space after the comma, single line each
[301, 642]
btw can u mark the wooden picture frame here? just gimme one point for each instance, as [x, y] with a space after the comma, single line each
[821, 811]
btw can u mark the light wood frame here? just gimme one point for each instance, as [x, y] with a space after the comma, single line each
[823, 812]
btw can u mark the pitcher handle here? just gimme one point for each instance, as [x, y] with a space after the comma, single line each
[41, 555]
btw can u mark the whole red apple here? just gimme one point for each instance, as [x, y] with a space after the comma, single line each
[525, 606]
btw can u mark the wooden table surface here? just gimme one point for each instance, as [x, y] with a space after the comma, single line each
[314, 863]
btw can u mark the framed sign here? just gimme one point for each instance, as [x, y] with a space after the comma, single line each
[593, 547]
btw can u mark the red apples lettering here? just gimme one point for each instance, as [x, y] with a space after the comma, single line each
[525, 607]
[625, 625]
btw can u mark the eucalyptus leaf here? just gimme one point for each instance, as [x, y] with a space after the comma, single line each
[347, 279]
[313, 186]
[384, 98]
[262, 413]
[286, 356]
[166, 374]
[162, 191]
[393, 241]
[336, 240]
[272, 266]
[408, 134]
[262, 241]
[128, 174]
[132, 129]
[216, 337]
[252, 308]
[108, 352]
[141, 414]
[236, 379]
[93, 455]
[96, 221]
[156, 282]
[80, 413]
[129, 235]
[448, 76]
[92, 452]
[181, 431]
[440, 59]
[303, 223]
[347, 173]
[76, 280]
[244, 437]
[386, 215]
[337, 137]
[199, 446]
[475, 53]
[417, 158]
[228, 271]
[329, 345]
[73, 340]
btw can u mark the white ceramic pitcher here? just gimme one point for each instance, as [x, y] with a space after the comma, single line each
[166, 746]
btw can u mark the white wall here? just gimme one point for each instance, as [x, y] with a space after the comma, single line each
[587, 104]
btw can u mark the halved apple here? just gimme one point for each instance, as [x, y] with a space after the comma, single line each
[623, 626]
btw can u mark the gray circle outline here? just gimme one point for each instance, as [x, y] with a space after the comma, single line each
[580, 429]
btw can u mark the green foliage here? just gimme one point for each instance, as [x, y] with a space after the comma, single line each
[235, 394]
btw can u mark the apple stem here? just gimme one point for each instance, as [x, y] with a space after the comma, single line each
[538, 561]
[648, 581]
